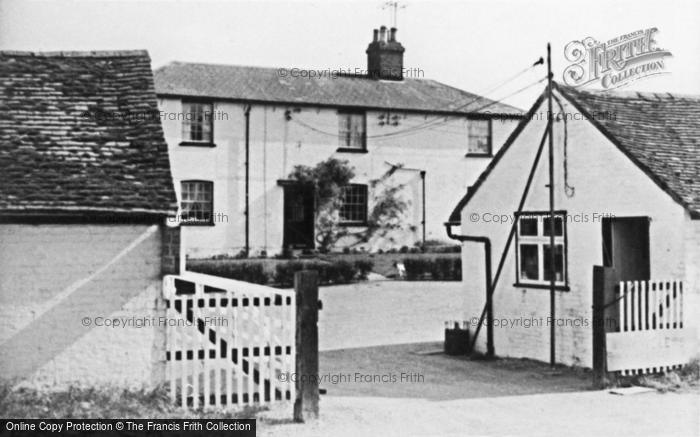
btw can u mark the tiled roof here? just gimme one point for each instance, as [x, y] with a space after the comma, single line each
[660, 133]
[260, 84]
[80, 133]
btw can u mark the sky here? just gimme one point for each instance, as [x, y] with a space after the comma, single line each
[472, 45]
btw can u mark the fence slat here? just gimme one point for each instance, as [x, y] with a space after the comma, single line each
[680, 306]
[621, 306]
[659, 304]
[628, 305]
[644, 305]
[676, 302]
[220, 331]
[635, 306]
[232, 346]
[184, 335]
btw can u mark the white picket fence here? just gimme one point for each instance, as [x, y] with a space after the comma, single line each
[646, 305]
[228, 343]
[651, 336]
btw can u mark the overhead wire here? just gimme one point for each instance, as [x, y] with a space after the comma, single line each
[427, 125]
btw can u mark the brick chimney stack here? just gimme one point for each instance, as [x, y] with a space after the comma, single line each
[385, 55]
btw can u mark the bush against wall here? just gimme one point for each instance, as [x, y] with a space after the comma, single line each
[328, 178]
[333, 272]
[242, 271]
[437, 269]
[329, 272]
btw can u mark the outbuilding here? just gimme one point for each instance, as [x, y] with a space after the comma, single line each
[85, 189]
[626, 198]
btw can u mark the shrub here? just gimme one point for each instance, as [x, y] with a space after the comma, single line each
[364, 267]
[243, 271]
[284, 272]
[439, 269]
[416, 268]
[329, 272]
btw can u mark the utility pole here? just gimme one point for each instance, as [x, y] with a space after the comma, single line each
[552, 251]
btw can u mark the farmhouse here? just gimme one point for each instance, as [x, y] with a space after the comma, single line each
[626, 198]
[85, 189]
[246, 128]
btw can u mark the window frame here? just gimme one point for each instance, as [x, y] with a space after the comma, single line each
[183, 222]
[541, 240]
[343, 145]
[365, 211]
[188, 141]
[488, 154]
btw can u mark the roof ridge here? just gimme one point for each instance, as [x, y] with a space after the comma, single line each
[338, 70]
[329, 88]
[78, 54]
[634, 94]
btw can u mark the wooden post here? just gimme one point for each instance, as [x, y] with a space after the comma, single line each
[307, 394]
[603, 294]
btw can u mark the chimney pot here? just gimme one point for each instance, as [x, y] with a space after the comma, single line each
[385, 61]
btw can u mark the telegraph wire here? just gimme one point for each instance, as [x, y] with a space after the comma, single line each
[432, 123]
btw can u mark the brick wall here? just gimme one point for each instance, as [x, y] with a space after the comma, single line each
[60, 285]
[171, 250]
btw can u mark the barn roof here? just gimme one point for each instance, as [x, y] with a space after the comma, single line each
[659, 132]
[80, 134]
[273, 85]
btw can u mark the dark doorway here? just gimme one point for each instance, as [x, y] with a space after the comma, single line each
[626, 247]
[298, 216]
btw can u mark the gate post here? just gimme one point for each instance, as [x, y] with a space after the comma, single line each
[603, 294]
[307, 394]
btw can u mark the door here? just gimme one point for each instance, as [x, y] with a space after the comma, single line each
[626, 247]
[298, 216]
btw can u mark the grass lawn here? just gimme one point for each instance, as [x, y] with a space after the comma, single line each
[98, 403]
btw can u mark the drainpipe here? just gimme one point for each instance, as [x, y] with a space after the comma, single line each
[247, 180]
[489, 291]
[422, 177]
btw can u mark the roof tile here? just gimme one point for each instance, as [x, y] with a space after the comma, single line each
[59, 147]
[267, 85]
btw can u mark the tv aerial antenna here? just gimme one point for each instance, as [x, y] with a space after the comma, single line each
[393, 8]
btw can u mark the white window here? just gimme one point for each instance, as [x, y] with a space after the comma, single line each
[533, 253]
[352, 130]
[197, 122]
[197, 202]
[479, 138]
[354, 207]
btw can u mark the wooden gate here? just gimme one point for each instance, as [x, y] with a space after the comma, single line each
[228, 343]
[650, 335]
